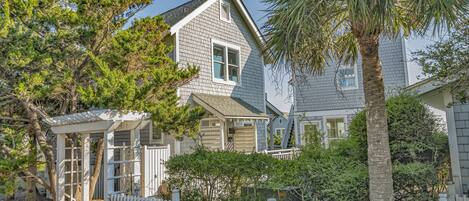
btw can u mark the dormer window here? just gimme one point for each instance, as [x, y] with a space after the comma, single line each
[225, 13]
[347, 77]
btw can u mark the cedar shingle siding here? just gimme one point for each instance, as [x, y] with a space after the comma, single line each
[195, 48]
[461, 117]
[319, 93]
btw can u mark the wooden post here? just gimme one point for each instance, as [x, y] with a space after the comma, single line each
[85, 167]
[135, 145]
[143, 189]
[60, 188]
[108, 163]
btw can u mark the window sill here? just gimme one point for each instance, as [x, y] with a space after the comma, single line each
[349, 88]
[220, 81]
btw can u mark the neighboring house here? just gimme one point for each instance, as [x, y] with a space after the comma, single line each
[438, 95]
[221, 38]
[277, 124]
[320, 105]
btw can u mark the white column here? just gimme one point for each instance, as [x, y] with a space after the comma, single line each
[453, 143]
[135, 144]
[85, 167]
[60, 188]
[255, 135]
[108, 163]
[222, 134]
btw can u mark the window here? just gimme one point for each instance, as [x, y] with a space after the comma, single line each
[311, 133]
[156, 135]
[225, 13]
[335, 128]
[219, 62]
[347, 77]
[279, 131]
[226, 65]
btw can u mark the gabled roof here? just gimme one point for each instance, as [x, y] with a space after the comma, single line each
[425, 86]
[176, 14]
[227, 107]
[183, 14]
[273, 108]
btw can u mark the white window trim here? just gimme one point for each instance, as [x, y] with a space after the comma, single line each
[223, 2]
[282, 129]
[355, 69]
[302, 128]
[325, 118]
[226, 46]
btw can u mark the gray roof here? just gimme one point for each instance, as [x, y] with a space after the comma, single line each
[174, 15]
[229, 107]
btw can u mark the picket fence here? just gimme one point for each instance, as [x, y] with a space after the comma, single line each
[284, 154]
[121, 197]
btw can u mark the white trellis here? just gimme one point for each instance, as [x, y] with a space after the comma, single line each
[98, 121]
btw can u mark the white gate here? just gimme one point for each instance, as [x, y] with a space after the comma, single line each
[153, 160]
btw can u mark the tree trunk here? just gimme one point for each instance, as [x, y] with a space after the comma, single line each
[379, 156]
[45, 147]
[97, 167]
[31, 191]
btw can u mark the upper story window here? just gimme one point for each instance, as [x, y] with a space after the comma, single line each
[226, 65]
[347, 77]
[225, 13]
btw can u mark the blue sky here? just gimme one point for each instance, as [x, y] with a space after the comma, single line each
[279, 95]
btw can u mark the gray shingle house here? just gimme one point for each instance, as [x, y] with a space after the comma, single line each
[318, 104]
[221, 38]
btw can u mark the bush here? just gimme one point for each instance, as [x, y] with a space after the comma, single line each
[415, 181]
[412, 128]
[419, 150]
[218, 175]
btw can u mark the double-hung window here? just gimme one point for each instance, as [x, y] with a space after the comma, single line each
[347, 77]
[335, 128]
[226, 65]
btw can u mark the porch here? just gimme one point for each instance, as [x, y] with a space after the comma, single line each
[231, 124]
[128, 169]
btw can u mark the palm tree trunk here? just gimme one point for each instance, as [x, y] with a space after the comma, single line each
[379, 156]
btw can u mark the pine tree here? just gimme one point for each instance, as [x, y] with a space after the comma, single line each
[62, 57]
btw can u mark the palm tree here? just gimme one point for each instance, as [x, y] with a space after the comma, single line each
[302, 35]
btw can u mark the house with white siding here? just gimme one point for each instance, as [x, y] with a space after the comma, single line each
[327, 103]
[221, 38]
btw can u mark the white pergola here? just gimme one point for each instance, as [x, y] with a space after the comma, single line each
[96, 121]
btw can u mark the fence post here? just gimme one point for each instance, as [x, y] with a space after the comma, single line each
[143, 152]
[175, 195]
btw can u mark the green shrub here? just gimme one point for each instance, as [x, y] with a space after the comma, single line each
[416, 181]
[218, 175]
[412, 129]
[419, 150]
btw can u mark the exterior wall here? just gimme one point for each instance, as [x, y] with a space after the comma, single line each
[279, 122]
[318, 93]
[317, 98]
[461, 117]
[195, 48]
